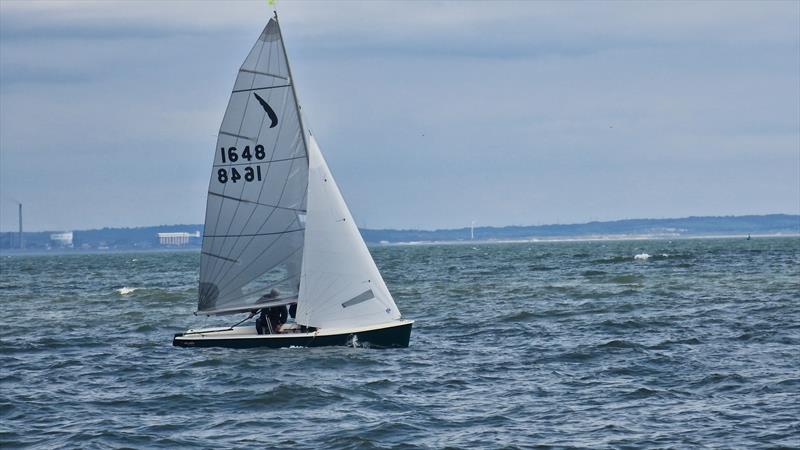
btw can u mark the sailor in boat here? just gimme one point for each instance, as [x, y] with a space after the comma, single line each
[277, 316]
[261, 322]
[271, 318]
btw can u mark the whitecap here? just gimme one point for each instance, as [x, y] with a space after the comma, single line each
[642, 256]
[126, 290]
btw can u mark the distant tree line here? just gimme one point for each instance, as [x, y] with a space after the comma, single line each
[146, 237]
[689, 226]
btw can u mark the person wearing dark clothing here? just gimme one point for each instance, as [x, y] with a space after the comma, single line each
[261, 323]
[283, 315]
[277, 316]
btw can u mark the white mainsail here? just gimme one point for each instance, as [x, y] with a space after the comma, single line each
[253, 237]
[340, 284]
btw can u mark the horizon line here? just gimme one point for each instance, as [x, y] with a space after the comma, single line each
[435, 229]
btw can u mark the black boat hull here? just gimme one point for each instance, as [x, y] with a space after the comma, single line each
[393, 336]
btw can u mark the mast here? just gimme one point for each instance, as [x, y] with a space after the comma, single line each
[302, 128]
[291, 81]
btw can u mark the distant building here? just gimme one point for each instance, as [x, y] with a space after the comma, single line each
[63, 240]
[176, 239]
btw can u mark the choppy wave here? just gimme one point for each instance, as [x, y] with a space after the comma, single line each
[565, 345]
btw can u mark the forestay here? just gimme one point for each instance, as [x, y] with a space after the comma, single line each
[254, 228]
[340, 286]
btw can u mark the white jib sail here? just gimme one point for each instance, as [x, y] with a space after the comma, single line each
[340, 284]
[254, 228]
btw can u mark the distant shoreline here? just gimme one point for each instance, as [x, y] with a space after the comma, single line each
[590, 239]
[190, 235]
[93, 251]
[196, 249]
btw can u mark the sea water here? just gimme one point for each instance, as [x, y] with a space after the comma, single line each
[566, 344]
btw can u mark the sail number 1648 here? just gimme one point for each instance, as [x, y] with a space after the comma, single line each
[247, 173]
[230, 154]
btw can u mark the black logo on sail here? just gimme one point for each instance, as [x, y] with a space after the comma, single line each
[268, 109]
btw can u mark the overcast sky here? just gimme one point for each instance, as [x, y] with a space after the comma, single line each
[430, 114]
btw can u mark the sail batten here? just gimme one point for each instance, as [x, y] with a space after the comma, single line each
[220, 257]
[264, 73]
[244, 200]
[260, 88]
[237, 136]
[263, 162]
[254, 234]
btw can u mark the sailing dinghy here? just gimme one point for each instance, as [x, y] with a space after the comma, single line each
[279, 242]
